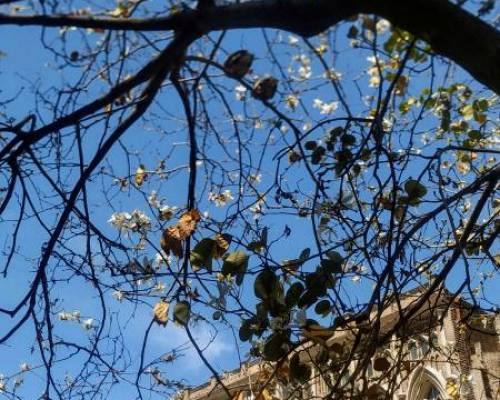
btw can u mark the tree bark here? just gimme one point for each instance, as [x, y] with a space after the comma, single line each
[451, 31]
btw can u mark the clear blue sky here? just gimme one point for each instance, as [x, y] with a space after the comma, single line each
[26, 61]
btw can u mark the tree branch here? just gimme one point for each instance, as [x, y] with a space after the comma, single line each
[451, 31]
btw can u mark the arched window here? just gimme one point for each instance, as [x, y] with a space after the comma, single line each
[433, 394]
[425, 384]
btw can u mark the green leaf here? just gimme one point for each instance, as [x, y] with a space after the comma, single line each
[260, 244]
[299, 371]
[310, 145]
[336, 132]
[294, 264]
[267, 285]
[352, 33]
[261, 310]
[304, 254]
[216, 315]
[333, 264]
[182, 311]
[317, 155]
[201, 255]
[415, 189]
[307, 299]
[348, 139]
[317, 282]
[245, 331]
[275, 347]
[475, 135]
[497, 260]
[236, 264]
[323, 307]
[445, 120]
[293, 294]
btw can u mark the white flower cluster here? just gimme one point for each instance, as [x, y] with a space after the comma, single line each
[166, 212]
[291, 101]
[258, 207]
[305, 70]
[135, 221]
[75, 316]
[325, 108]
[220, 199]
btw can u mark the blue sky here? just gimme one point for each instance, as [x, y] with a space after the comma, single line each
[26, 61]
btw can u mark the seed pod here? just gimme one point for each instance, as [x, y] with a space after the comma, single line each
[265, 89]
[238, 64]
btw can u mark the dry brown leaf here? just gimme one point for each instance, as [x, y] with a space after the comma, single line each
[171, 241]
[187, 223]
[284, 370]
[161, 312]
[239, 395]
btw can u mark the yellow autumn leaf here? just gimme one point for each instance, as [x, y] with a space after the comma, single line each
[452, 388]
[264, 395]
[121, 11]
[467, 111]
[161, 312]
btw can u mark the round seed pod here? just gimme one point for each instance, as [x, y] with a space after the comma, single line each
[265, 89]
[238, 64]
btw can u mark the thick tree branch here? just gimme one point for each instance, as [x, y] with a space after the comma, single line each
[451, 31]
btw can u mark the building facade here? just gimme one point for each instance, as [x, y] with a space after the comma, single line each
[447, 351]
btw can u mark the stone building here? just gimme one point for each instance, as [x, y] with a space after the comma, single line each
[447, 351]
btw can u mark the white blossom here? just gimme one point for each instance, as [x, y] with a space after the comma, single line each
[136, 221]
[255, 178]
[24, 367]
[240, 92]
[153, 199]
[159, 287]
[220, 199]
[305, 72]
[382, 26]
[291, 101]
[120, 220]
[161, 258]
[87, 323]
[293, 40]
[325, 108]
[167, 212]
[118, 295]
